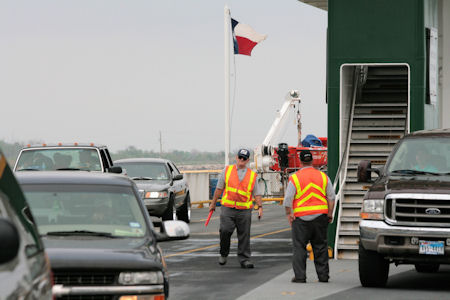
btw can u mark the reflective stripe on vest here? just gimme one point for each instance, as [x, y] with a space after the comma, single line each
[238, 194]
[311, 199]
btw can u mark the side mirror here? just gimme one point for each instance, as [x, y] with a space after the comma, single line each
[9, 247]
[365, 171]
[173, 230]
[115, 169]
[178, 177]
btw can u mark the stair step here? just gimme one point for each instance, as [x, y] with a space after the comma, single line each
[374, 141]
[350, 219]
[388, 70]
[375, 116]
[378, 128]
[382, 122]
[351, 205]
[363, 104]
[366, 153]
[347, 246]
[349, 232]
[351, 199]
[351, 179]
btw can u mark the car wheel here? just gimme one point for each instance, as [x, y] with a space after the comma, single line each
[184, 213]
[171, 212]
[373, 268]
[427, 268]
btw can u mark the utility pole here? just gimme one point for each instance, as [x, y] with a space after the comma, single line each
[227, 27]
[160, 144]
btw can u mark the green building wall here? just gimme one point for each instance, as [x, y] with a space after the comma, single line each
[382, 31]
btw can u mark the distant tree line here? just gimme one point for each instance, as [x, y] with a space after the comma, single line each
[194, 157]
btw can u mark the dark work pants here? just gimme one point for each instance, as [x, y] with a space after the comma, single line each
[314, 231]
[240, 219]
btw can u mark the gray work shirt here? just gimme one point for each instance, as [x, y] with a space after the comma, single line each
[292, 190]
[241, 175]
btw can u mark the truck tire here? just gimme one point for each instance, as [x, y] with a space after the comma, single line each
[184, 212]
[373, 268]
[170, 213]
[427, 268]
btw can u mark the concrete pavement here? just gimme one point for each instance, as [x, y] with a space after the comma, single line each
[343, 276]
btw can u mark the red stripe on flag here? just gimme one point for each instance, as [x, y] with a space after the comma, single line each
[245, 46]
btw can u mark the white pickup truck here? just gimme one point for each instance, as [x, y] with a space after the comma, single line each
[86, 157]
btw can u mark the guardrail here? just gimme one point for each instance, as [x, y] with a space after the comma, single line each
[200, 203]
[199, 187]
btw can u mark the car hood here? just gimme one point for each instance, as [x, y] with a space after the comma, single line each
[103, 253]
[412, 184]
[152, 185]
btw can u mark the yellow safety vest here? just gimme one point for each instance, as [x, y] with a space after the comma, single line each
[238, 194]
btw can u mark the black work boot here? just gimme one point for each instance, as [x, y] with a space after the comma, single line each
[246, 264]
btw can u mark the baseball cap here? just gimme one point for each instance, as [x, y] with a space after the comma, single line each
[244, 153]
[306, 156]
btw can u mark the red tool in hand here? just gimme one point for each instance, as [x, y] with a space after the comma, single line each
[209, 217]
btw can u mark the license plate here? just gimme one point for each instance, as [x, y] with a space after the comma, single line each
[431, 247]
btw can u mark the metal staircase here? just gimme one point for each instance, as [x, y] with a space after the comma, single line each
[378, 120]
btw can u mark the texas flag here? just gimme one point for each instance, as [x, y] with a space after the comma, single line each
[245, 38]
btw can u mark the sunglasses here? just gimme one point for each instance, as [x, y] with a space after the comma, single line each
[242, 158]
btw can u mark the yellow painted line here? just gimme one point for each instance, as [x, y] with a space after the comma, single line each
[2, 164]
[263, 199]
[191, 251]
[217, 245]
[269, 233]
[206, 233]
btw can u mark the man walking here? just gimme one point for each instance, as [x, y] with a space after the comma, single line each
[309, 204]
[239, 186]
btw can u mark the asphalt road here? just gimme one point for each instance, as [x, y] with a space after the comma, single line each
[193, 263]
[195, 273]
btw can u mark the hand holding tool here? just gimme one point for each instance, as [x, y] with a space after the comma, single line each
[209, 217]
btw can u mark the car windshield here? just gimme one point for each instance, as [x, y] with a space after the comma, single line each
[88, 209]
[59, 159]
[424, 155]
[145, 170]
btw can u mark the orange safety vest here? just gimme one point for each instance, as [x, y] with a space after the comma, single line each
[238, 194]
[311, 195]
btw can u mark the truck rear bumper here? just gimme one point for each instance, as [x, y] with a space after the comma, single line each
[395, 241]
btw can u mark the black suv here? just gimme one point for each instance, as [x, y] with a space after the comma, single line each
[87, 157]
[98, 235]
[24, 267]
[405, 216]
[162, 187]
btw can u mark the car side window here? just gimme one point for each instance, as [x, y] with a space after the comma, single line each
[105, 161]
[175, 168]
[172, 172]
[108, 157]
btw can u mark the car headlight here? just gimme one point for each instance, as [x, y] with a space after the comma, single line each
[133, 278]
[372, 209]
[162, 194]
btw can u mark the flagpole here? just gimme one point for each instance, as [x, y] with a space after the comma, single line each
[227, 82]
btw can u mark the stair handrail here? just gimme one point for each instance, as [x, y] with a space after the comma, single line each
[360, 77]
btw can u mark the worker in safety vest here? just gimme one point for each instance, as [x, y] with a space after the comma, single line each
[239, 186]
[309, 204]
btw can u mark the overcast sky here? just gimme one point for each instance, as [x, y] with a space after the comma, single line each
[119, 72]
